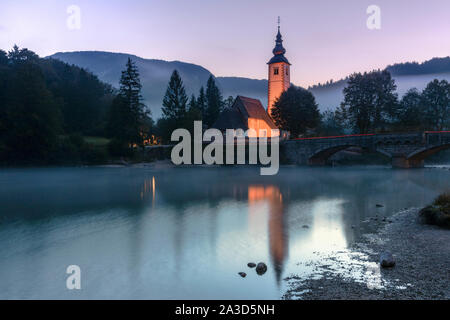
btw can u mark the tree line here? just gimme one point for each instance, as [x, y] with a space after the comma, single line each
[45, 108]
[179, 111]
[48, 108]
[370, 105]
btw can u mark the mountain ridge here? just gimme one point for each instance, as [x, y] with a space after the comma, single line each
[155, 74]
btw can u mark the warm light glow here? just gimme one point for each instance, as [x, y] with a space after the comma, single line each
[153, 189]
[271, 195]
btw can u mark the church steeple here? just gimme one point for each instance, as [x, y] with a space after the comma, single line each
[279, 49]
[279, 74]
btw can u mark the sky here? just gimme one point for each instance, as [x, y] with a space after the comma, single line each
[324, 39]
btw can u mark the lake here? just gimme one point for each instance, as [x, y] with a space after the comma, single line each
[185, 233]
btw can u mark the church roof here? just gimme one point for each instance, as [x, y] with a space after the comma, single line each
[279, 50]
[278, 58]
[254, 109]
[230, 118]
[243, 108]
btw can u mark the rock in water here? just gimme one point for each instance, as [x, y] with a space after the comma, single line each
[251, 264]
[379, 205]
[242, 274]
[387, 260]
[261, 268]
[305, 226]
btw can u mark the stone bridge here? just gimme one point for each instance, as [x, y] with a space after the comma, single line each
[406, 150]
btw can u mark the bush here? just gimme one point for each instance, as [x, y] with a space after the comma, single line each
[443, 201]
[439, 212]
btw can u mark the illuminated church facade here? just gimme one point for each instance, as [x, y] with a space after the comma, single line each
[279, 73]
[247, 113]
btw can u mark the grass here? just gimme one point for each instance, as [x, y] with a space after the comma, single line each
[443, 201]
[438, 213]
[97, 141]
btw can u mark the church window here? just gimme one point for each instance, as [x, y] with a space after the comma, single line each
[275, 71]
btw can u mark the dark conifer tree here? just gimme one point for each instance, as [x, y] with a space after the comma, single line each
[201, 102]
[128, 112]
[213, 102]
[228, 102]
[175, 99]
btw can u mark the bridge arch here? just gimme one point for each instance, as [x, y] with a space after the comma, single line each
[321, 156]
[423, 153]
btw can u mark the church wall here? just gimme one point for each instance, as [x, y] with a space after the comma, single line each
[277, 83]
[259, 124]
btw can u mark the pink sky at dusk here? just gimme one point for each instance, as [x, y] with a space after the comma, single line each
[324, 39]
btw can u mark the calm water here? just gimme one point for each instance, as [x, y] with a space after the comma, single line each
[185, 233]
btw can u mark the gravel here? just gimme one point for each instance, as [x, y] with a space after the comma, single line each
[422, 269]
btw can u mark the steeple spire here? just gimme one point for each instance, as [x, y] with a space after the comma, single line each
[279, 73]
[279, 50]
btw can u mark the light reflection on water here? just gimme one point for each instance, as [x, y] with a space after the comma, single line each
[185, 233]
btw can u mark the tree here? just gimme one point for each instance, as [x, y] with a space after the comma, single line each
[228, 102]
[341, 118]
[192, 103]
[329, 124]
[127, 111]
[17, 55]
[296, 111]
[193, 114]
[436, 102]
[175, 99]
[30, 116]
[370, 101]
[410, 114]
[85, 100]
[213, 102]
[175, 108]
[201, 102]
[3, 58]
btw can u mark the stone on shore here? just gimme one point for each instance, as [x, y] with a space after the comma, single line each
[261, 268]
[387, 260]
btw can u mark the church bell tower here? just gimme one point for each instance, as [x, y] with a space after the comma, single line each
[279, 73]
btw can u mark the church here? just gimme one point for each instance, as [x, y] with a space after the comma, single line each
[247, 113]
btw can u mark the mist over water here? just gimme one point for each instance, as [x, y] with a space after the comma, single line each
[143, 233]
[330, 97]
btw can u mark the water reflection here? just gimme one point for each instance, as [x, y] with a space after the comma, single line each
[278, 240]
[185, 233]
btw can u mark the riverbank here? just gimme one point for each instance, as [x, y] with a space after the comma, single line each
[422, 270]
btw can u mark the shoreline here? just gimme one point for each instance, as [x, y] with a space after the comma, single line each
[422, 270]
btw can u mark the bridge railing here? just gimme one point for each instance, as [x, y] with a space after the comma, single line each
[423, 135]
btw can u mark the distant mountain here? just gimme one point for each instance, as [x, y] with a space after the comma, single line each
[406, 75]
[233, 86]
[433, 66]
[155, 75]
